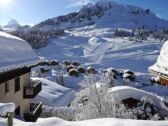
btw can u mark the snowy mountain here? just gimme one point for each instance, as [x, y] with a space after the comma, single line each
[12, 24]
[89, 36]
[106, 14]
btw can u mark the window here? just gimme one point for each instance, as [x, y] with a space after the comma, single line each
[17, 84]
[17, 111]
[6, 87]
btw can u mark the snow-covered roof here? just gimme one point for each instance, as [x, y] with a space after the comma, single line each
[161, 65]
[125, 92]
[15, 53]
[54, 94]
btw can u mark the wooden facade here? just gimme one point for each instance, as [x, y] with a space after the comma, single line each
[164, 81]
[163, 78]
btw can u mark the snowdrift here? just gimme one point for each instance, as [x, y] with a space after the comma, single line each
[94, 122]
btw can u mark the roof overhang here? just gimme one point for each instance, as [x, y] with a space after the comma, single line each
[157, 73]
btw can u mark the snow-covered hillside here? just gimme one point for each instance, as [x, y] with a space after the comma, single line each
[89, 36]
[98, 47]
[106, 13]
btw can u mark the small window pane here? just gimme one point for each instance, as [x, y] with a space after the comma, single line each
[6, 87]
[17, 84]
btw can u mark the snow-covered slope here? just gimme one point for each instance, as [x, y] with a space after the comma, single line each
[15, 52]
[54, 94]
[162, 62]
[97, 47]
[106, 13]
[91, 36]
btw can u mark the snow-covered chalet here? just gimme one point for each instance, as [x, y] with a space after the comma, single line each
[16, 60]
[160, 68]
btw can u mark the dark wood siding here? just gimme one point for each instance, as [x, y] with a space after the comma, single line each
[13, 74]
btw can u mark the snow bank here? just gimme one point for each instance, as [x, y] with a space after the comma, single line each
[15, 53]
[6, 107]
[162, 62]
[94, 122]
[99, 122]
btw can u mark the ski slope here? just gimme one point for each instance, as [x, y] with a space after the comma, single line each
[97, 47]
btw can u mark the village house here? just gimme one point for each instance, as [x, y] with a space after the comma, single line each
[160, 68]
[131, 97]
[16, 60]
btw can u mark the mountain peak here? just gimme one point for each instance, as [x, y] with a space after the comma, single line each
[106, 13]
[12, 24]
[13, 21]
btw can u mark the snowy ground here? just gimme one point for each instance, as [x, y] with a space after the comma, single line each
[97, 47]
[95, 122]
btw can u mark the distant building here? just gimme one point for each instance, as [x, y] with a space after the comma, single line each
[160, 68]
[16, 60]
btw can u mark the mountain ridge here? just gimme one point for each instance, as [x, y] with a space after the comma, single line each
[103, 12]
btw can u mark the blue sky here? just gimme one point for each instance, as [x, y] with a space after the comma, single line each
[35, 11]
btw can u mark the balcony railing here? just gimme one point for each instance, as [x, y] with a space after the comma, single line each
[34, 113]
[32, 90]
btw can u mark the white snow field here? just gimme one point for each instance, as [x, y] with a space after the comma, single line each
[15, 52]
[53, 94]
[97, 47]
[94, 122]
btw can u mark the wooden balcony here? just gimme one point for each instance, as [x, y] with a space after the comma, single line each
[32, 90]
[34, 113]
